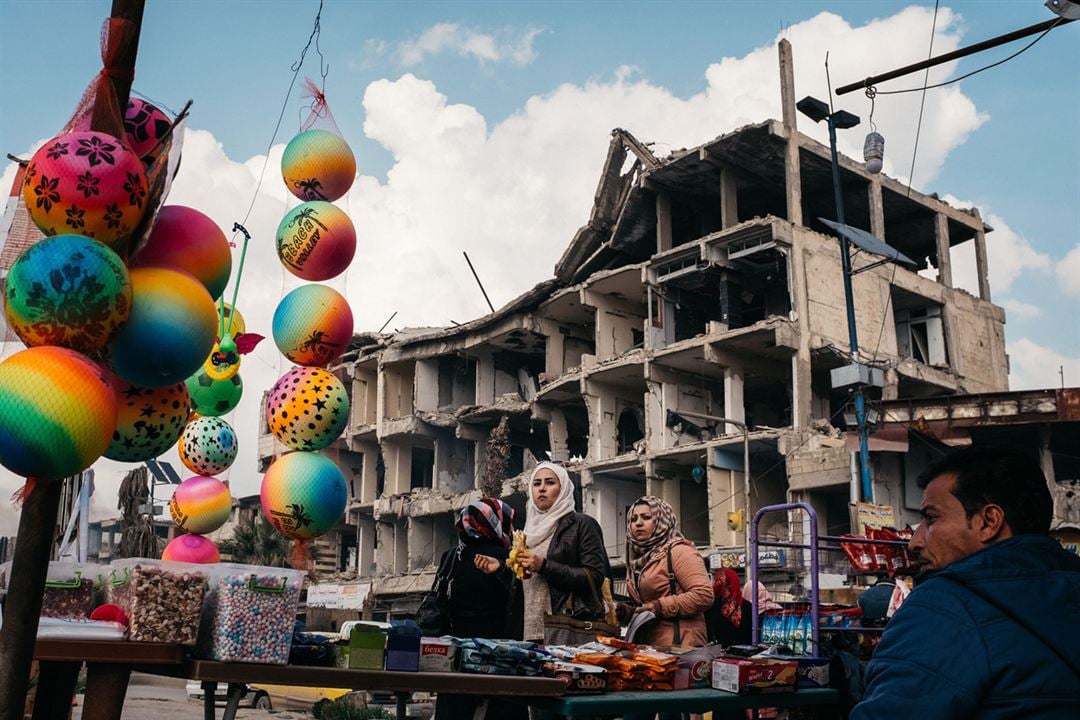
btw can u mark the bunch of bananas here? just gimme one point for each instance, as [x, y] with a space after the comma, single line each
[517, 549]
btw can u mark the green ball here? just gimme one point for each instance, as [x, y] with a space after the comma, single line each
[214, 398]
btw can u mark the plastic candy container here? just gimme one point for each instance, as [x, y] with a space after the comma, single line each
[249, 615]
[69, 590]
[162, 600]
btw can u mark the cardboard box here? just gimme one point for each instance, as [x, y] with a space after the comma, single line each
[438, 655]
[813, 672]
[366, 648]
[580, 679]
[754, 675]
[403, 648]
[695, 667]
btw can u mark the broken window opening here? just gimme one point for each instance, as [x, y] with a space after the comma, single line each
[920, 331]
[457, 381]
[767, 403]
[693, 217]
[421, 473]
[577, 430]
[631, 428]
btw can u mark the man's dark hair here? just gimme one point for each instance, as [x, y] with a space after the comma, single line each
[1007, 478]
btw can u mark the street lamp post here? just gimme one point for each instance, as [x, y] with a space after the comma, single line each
[817, 111]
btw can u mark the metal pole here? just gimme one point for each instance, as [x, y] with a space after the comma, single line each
[853, 333]
[954, 55]
[490, 306]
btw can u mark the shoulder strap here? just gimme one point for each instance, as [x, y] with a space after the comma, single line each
[673, 588]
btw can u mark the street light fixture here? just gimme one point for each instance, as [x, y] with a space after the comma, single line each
[817, 111]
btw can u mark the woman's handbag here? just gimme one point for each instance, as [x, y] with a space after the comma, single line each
[574, 616]
[433, 615]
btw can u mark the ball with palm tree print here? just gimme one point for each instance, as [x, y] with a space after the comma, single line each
[303, 495]
[318, 165]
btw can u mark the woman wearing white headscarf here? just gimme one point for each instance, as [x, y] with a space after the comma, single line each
[566, 561]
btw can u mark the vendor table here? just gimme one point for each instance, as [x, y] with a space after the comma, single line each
[722, 704]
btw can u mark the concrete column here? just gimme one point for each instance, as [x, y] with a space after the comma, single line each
[729, 199]
[802, 394]
[725, 492]
[398, 459]
[792, 178]
[426, 385]
[734, 407]
[663, 222]
[557, 435]
[787, 84]
[368, 471]
[485, 378]
[600, 402]
[384, 556]
[941, 234]
[554, 349]
[981, 264]
[877, 208]
[365, 545]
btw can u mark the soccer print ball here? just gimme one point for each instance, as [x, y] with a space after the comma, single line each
[307, 408]
[214, 397]
[208, 446]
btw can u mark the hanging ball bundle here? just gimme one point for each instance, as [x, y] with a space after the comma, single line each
[192, 549]
[313, 325]
[318, 165]
[307, 408]
[316, 241]
[303, 495]
[69, 291]
[200, 504]
[149, 421]
[207, 446]
[57, 412]
[88, 183]
[171, 329]
[185, 239]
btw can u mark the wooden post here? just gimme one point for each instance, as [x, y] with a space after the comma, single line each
[34, 543]
[33, 547]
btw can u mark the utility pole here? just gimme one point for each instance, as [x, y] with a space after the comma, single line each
[37, 522]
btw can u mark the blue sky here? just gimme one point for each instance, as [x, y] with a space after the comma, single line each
[482, 126]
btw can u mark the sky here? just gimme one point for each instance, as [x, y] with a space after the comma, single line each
[482, 127]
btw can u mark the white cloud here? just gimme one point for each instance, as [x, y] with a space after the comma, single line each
[506, 46]
[1019, 308]
[513, 193]
[1068, 272]
[1033, 366]
[1008, 253]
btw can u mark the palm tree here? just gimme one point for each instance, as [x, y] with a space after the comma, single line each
[256, 542]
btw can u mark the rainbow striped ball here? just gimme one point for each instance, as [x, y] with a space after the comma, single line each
[185, 239]
[318, 165]
[171, 329]
[208, 446]
[57, 412]
[313, 325]
[86, 182]
[307, 408]
[148, 420]
[191, 549]
[144, 127]
[200, 504]
[67, 290]
[316, 241]
[303, 495]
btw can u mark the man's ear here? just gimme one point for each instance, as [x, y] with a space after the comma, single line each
[992, 524]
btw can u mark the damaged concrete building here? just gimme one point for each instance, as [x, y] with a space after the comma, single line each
[702, 288]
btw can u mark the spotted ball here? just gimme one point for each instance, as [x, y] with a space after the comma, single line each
[200, 504]
[88, 183]
[318, 165]
[57, 412]
[313, 325]
[307, 408]
[69, 291]
[212, 397]
[207, 446]
[171, 329]
[144, 127]
[303, 495]
[186, 239]
[316, 241]
[149, 421]
[191, 549]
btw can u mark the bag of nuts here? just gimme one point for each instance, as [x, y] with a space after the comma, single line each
[162, 600]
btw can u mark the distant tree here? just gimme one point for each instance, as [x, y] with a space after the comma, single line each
[256, 542]
[137, 538]
[497, 459]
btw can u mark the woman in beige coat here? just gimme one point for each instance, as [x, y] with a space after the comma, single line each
[665, 574]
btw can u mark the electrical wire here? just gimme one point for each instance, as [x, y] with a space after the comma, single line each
[922, 101]
[974, 72]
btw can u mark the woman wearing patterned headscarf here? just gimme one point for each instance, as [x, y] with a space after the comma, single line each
[666, 575]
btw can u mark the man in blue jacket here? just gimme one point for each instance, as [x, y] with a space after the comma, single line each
[992, 629]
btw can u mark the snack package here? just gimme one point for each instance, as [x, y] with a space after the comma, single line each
[859, 555]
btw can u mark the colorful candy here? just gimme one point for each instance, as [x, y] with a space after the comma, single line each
[57, 412]
[67, 290]
[316, 241]
[207, 446]
[88, 183]
[200, 504]
[307, 408]
[318, 165]
[249, 614]
[313, 325]
[303, 495]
